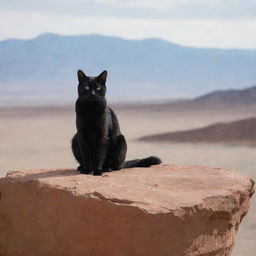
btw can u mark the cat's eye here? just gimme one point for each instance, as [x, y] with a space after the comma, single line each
[86, 87]
[98, 88]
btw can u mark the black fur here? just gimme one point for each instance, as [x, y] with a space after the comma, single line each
[98, 145]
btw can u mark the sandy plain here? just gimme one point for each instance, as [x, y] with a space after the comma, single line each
[40, 138]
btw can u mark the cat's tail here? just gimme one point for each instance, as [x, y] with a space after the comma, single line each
[144, 162]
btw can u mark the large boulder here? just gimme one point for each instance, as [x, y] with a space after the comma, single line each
[158, 211]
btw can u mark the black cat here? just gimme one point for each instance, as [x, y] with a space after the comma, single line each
[98, 145]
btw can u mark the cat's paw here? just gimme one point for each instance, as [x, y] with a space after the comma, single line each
[97, 173]
[83, 170]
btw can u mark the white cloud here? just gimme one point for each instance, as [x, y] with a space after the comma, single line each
[220, 33]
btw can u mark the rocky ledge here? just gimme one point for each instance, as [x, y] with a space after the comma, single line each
[159, 211]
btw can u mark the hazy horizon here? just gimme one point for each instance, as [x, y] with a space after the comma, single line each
[44, 69]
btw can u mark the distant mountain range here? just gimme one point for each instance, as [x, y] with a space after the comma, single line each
[228, 97]
[44, 69]
[239, 132]
[215, 100]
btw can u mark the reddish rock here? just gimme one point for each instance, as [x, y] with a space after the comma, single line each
[158, 211]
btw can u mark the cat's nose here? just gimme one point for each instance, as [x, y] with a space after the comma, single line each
[93, 92]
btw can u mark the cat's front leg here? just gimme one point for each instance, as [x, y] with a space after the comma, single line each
[84, 166]
[98, 157]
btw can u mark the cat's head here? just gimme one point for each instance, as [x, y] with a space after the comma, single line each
[92, 88]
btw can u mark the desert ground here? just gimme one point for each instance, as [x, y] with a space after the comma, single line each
[40, 138]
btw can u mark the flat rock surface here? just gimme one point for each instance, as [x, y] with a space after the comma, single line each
[162, 210]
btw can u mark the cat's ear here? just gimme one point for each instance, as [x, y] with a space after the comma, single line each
[81, 76]
[103, 76]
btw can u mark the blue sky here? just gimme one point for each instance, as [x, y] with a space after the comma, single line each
[199, 23]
